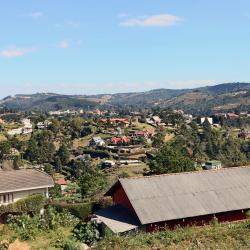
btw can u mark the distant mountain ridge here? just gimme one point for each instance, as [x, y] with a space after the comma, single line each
[221, 97]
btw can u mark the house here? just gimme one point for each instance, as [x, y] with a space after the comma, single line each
[145, 133]
[165, 201]
[97, 142]
[122, 122]
[212, 165]
[42, 125]
[210, 120]
[232, 116]
[18, 184]
[108, 164]
[120, 140]
[62, 182]
[26, 123]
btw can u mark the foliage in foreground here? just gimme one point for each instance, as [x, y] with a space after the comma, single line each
[27, 227]
[216, 236]
[86, 232]
[30, 204]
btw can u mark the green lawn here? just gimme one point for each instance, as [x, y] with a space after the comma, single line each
[141, 126]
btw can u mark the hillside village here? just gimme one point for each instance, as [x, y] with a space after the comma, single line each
[91, 157]
[124, 125]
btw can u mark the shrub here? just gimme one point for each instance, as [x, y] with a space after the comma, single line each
[32, 204]
[25, 226]
[102, 203]
[72, 245]
[53, 219]
[87, 232]
[80, 210]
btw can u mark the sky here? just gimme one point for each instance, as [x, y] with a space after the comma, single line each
[110, 46]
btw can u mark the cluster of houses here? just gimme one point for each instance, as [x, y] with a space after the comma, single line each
[26, 128]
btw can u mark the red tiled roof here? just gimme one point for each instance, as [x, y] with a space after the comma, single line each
[61, 181]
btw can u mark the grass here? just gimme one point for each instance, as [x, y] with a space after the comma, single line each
[131, 170]
[49, 240]
[81, 142]
[141, 126]
[214, 236]
[2, 137]
[223, 236]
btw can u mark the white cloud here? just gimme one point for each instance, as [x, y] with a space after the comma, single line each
[64, 44]
[162, 20]
[123, 15]
[15, 52]
[36, 14]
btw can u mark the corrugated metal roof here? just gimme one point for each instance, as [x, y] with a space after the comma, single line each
[18, 180]
[118, 218]
[176, 196]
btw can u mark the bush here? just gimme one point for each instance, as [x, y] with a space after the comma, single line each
[27, 227]
[80, 210]
[32, 204]
[53, 219]
[72, 245]
[87, 232]
[102, 203]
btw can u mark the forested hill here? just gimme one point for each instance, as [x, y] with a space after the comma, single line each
[222, 97]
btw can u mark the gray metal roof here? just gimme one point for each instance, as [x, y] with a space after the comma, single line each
[117, 218]
[176, 196]
[19, 180]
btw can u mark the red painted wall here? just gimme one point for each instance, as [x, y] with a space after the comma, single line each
[120, 197]
[198, 221]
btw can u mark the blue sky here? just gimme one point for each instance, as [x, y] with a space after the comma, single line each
[108, 46]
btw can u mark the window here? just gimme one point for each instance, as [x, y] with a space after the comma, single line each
[6, 198]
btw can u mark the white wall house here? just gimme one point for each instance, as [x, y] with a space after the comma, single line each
[18, 184]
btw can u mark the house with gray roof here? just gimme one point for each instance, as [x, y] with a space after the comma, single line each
[18, 184]
[165, 201]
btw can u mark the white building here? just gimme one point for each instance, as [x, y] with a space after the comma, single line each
[18, 184]
[210, 120]
[97, 141]
[212, 165]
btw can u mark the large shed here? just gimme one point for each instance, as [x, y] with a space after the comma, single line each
[185, 198]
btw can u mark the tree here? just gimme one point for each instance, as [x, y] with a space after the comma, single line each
[90, 179]
[158, 139]
[48, 168]
[63, 154]
[58, 165]
[171, 160]
[4, 149]
[32, 152]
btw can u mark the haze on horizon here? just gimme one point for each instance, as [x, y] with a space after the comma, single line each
[94, 47]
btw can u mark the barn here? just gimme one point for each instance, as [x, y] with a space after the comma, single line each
[165, 201]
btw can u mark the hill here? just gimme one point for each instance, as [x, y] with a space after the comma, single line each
[47, 101]
[204, 100]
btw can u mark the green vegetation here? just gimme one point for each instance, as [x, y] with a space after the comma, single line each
[217, 236]
[32, 204]
[86, 232]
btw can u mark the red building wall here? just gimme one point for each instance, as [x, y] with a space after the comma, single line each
[120, 197]
[197, 221]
